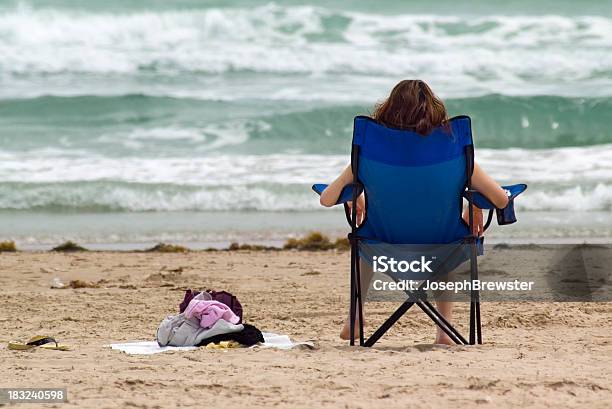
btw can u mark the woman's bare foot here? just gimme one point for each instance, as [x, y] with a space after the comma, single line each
[443, 339]
[345, 333]
[445, 308]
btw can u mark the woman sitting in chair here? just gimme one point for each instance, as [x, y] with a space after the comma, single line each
[413, 106]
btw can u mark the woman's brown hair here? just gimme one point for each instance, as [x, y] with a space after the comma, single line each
[412, 105]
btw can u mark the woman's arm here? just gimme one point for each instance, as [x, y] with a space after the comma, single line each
[330, 195]
[488, 187]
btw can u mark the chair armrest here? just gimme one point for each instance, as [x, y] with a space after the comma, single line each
[505, 215]
[345, 196]
[481, 201]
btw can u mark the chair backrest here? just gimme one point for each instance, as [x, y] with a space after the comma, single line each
[413, 183]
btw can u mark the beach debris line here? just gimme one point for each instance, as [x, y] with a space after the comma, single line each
[69, 247]
[316, 241]
[168, 248]
[7, 246]
[253, 247]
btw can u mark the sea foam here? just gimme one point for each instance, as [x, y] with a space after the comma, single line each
[572, 179]
[511, 52]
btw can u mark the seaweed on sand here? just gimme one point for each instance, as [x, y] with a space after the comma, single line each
[316, 241]
[168, 248]
[7, 246]
[69, 247]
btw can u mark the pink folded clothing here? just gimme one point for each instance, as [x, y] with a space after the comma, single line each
[209, 312]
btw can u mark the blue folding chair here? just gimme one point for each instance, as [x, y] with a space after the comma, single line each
[414, 188]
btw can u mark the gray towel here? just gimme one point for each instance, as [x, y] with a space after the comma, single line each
[178, 331]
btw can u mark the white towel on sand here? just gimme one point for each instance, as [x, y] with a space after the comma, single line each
[146, 348]
[150, 347]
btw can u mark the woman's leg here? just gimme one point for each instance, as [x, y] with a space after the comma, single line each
[345, 332]
[366, 277]
[446, 309]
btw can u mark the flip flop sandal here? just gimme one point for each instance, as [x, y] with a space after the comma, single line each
[39, 341]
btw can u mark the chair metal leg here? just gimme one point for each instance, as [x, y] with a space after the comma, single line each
[477, 336]
[478, 323]
[445, 322]
[359, 299]
[472, 322]
[353, 300]
[473, 293]
[388, 323]
[439, 323]
[478, 326]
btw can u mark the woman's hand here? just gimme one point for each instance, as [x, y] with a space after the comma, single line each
[330, 195]
[360, 208]
[477, 220]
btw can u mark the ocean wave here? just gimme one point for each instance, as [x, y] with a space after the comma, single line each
[576, 198]
[51, 166]
[145, 126]
[487, 52]
[134, 197]
[121, 197]
[572, 179]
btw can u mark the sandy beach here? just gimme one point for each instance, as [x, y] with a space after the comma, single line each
[205, 124]
[535, 354]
